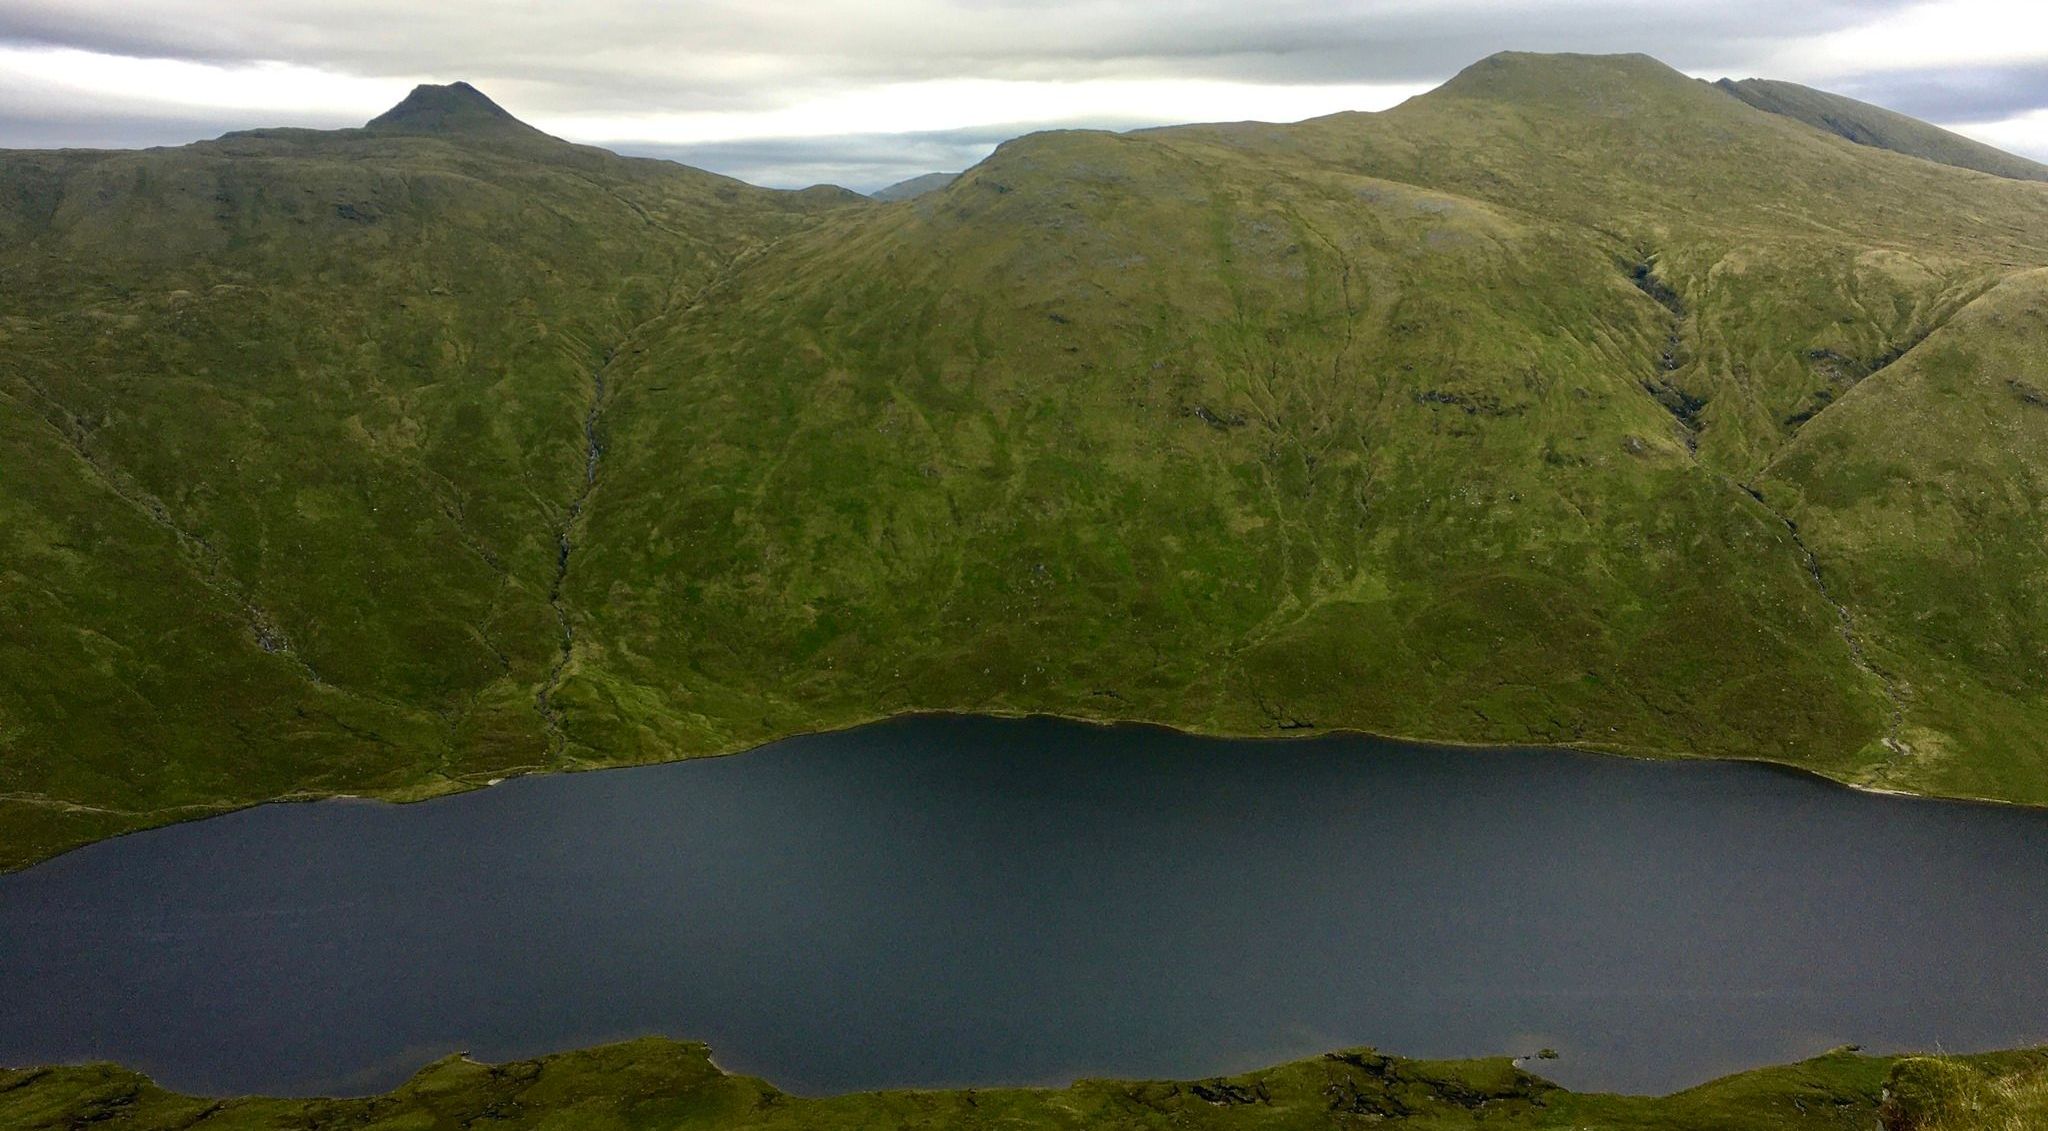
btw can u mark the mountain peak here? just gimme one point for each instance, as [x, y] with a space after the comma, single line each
[454, 108]
[1525, 77]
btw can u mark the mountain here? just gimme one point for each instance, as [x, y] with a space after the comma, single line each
[1865, 124]
[1573, 402]
[457, 108]
[293, 423]
[914, 187]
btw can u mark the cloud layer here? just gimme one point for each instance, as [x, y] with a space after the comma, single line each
[865, 91]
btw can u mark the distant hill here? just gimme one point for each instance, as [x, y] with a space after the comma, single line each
[914, 187]
[1865, 124]
[1572, 402]
[829, 195]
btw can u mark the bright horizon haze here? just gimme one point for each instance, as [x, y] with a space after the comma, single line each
[864, 94]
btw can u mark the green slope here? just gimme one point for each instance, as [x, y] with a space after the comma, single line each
[656, 1083]
[293, 424]
[1436, 422]
[1865, 124]
[1558, 405]
[912, 187]
[1925, 488]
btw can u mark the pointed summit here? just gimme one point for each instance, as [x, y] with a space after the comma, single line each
[457, 108]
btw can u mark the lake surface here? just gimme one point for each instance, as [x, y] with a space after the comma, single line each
[936, 901]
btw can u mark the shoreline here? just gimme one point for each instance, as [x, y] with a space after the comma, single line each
[450, 787]
[704, 1051]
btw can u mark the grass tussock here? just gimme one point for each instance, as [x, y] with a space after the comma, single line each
[1946, 1094]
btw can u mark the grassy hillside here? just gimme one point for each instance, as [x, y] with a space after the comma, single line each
[294, 423]
[1865, 124]
[664, 1084]
[1924, 489]
[1995, 1093]
[1434, 422]
[1562, 404]
[911, 187]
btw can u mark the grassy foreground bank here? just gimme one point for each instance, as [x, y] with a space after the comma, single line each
[659, 1083]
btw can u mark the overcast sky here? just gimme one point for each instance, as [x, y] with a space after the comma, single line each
[864, 92]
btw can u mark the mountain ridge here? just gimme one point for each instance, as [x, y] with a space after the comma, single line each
[1866, 124]
[1549, 407]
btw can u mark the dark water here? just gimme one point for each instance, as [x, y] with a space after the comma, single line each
[942, 900]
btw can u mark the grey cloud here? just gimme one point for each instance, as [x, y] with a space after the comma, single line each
[1982, 94]
[611, 57]
[606, 55]
[36, 117]
[70, 131]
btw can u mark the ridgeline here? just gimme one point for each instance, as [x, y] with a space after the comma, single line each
[1574, 402]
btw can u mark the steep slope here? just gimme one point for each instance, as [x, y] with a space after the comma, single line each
[1439, 422]
[1925, 489]
[1124, 427]
[1865, 124]
[1792, 264]
[1547, 407]
[296, 423]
